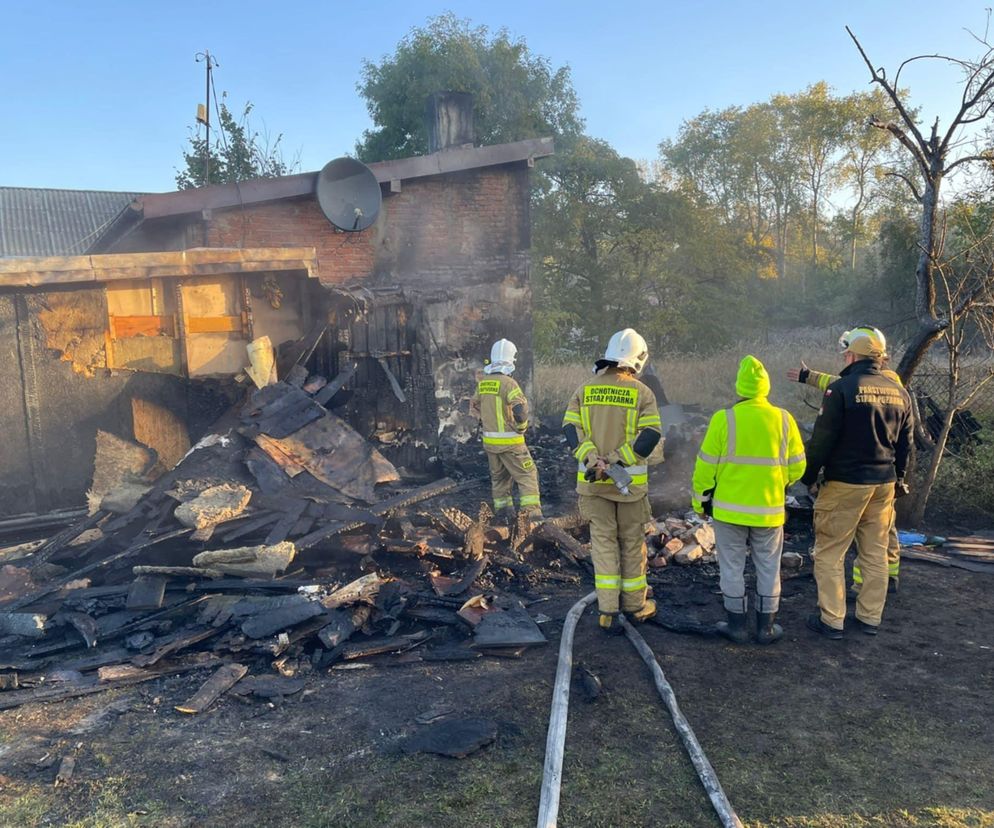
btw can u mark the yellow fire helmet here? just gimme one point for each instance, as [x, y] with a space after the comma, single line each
[864, 340]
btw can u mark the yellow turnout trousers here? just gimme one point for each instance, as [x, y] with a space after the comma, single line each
[844, 511]
[617, 548]
[514, 465]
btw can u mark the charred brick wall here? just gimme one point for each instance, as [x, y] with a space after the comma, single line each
[457, 244]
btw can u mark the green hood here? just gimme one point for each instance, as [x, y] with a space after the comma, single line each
[752, 380]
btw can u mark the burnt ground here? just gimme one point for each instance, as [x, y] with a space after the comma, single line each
[887, 731]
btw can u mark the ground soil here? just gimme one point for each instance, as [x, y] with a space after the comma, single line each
[887, 731]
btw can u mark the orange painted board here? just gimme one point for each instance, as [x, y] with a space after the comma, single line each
[123, 327]
[213, 324]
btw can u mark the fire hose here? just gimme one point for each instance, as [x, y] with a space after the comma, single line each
[548, 809]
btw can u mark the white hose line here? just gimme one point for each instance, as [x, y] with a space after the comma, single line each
[709, 779]
[555, 743]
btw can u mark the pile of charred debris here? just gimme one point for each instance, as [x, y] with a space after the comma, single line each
[282, 543]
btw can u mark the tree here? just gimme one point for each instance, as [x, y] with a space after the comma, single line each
[965, 280]
[516, 94]
[238, 152]
[934, 157]
[865, 151]
[817, 124]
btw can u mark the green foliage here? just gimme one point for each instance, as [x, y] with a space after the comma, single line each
[613, 250]
[516, 93]
[237, 152]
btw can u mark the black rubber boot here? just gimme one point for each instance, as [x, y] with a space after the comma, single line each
[610, 623]
[734, 629]
[892, 584]
[768, 631]
[815, 624]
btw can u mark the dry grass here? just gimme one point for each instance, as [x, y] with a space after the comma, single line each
[707, 381]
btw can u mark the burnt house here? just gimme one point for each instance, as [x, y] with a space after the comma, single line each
[144, 335]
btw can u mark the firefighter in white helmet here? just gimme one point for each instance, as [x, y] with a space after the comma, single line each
[502, 408]
[612, 421]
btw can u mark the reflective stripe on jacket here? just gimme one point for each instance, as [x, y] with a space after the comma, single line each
[496, 396]
[608, 413]
[821, 380]
[750, 454]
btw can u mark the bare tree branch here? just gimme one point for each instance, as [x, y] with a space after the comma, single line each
[880, 76]
[909, 182]
[988, 157]
[902, 136]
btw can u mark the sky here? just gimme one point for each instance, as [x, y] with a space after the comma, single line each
[102, 94]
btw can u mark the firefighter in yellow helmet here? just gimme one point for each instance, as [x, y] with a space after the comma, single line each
[821, 381]
[750, 454]
[863, 440]
[612, 426]
[502, 408]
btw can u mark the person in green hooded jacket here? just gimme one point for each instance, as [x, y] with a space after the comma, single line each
[750, 454]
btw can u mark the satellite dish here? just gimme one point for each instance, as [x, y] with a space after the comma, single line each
[348, 194]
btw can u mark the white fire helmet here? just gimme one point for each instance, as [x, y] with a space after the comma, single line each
[502, 356]
[864, 340]
[628, 349]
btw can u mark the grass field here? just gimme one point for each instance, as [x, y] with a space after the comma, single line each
[707, 381]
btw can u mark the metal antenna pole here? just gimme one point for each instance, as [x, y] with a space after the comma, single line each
[211, 63]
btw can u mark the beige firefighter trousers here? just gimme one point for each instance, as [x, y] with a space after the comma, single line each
[893, 555]
[617, 547]
[844, 511]
[512, 466]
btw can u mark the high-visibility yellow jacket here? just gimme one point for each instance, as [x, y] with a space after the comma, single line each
[609, 413]
[821, 380]
[497, 398]
[750, 454]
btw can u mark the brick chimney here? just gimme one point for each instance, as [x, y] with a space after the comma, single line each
[449, 119]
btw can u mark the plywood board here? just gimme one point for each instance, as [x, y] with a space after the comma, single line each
[161, 429]
[211, 354]
[160, 354]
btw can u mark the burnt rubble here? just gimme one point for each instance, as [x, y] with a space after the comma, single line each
[254, 557]
[282, 544]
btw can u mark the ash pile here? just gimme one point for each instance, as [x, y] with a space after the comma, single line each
[282, 544]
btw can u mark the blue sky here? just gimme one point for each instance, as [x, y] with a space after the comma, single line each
[100, 94]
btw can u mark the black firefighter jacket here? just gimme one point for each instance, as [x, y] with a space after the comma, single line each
[863, 433]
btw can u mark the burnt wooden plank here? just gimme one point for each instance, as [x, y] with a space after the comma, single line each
[180, 641]
[278, 620]
[136, 546]
[257, 604]
[293, 419]
[379, 646]
[509, 628]
[300, 351]
[84, 625]
[301, 527]
[211, 690]
[282, 528]
[270, 478]
[16, 698]
[26, 624]
[325, 394]
[250, 526]
[296, 377]
[146, 592]
[56, 543]
[338, 631]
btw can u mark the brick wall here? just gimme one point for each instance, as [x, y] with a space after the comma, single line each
[461, 228]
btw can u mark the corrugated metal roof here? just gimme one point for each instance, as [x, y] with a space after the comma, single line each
[43, 222]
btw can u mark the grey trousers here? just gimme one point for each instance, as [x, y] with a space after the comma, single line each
[733, 543]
